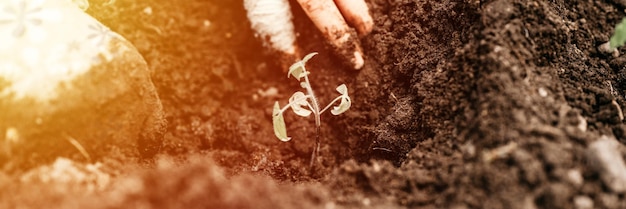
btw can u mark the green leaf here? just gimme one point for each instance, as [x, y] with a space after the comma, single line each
[280, 130]
[298, 70]
[342, 89]
[299, 104]
[619, 36]
[308, 57]
[345, 101]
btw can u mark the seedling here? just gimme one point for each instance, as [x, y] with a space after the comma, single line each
[305, 104]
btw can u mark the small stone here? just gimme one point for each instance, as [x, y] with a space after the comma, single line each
[607, 49]
[469, 150]
[366, 201]
[575, 178]
[582, 125]
[604, 158]
[542, 92]
[583, 202]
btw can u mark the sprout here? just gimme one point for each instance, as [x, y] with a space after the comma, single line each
[305, 103]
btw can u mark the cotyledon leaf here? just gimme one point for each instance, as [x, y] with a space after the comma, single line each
[345, 101]
[308, 57]
[298, 104]
[280, 130]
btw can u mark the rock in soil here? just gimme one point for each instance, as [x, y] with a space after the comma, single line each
[71, 87]
[605, 158]
[583, 202]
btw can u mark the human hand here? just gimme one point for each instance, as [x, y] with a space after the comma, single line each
[271, 19]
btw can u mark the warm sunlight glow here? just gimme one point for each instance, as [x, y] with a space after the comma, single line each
[40, 48]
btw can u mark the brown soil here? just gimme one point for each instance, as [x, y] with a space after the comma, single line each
[448, 87]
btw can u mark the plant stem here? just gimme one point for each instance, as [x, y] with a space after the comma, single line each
[315, 149]
[314, 103]
[316, 112]
[330, 104]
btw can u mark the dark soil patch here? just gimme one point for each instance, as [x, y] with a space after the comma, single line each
[461, 104]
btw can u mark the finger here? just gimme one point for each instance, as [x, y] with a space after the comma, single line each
[357, 14]
[328, 19]
[271, 21]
